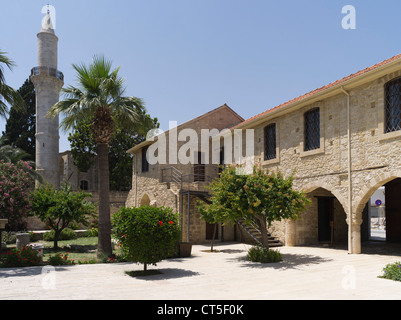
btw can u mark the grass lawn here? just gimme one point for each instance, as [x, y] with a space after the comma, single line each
[80, 250]
[88, 243]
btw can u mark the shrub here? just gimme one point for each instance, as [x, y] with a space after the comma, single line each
[9, 237]
[66, 234]
[263, 255]
[392, 271]
[15, 193]
[59, 260]
[147, 235]
[25, 257]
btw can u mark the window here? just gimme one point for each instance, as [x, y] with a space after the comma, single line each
[145, 163]
[393, 105]
[270, 142]
[312, 129]
[84, 185]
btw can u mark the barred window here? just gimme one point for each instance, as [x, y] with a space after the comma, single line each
[145, 163]
[84, 185]
[393, 105]
[270, 142]
[312, 129]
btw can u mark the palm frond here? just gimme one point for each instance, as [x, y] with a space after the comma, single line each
[12, 97]
[4, 60]
[98, 86]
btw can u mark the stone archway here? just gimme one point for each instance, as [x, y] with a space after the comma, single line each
[369, 188]
[323, 221]
[392, 183]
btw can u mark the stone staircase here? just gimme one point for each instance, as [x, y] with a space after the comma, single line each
[253, 231]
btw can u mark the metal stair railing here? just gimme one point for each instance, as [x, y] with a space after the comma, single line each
[171, 174]
[243, 226]
[249, 226]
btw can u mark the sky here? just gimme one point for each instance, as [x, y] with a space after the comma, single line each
[187, 57]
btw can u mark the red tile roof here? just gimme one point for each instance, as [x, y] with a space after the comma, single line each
[309, 94]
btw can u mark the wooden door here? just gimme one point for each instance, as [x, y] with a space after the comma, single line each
[325, 219]
[393, 210]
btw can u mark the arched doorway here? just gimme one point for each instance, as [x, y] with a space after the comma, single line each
[381, 213]
[324, 221]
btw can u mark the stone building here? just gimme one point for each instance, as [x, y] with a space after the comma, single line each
[178, 185]
[341, 141]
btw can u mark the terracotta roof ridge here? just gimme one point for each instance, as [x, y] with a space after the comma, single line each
[330, 85]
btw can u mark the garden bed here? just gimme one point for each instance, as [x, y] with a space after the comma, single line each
[80, 251]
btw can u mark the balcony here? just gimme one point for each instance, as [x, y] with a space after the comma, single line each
[196, 180]
[46, 71]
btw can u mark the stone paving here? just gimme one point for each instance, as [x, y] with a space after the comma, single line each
[311, 273]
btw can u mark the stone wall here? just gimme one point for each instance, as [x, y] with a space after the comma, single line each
[150, 188]
[374, 155]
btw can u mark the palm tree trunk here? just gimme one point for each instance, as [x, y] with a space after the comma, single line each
[104, 248]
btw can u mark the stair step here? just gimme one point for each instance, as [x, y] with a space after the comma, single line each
[256, 235]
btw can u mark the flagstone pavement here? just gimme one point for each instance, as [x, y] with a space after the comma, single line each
[311, 273]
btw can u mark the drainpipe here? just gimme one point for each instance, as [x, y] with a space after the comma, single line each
[350, 250]
[136, 180]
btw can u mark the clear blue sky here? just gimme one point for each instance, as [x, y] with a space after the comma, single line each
[187, 57]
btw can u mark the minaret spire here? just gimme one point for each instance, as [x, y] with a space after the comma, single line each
[48, 82]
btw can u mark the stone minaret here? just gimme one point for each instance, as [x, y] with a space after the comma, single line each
[48, 82]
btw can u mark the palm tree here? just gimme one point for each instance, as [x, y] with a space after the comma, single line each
[8, 94]
[99, 97]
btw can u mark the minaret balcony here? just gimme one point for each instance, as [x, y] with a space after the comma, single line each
[46, 71]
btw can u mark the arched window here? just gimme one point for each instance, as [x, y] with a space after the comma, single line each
[145, 201]
[393, 105]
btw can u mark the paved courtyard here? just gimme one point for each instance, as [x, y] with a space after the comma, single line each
[306, 273]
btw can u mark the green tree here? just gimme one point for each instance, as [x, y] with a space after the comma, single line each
[211, 216]
[59, 208]
[147, 234]
[83, 149]
[8, 94]
[100, 98]
[261, 197]
[21, 125]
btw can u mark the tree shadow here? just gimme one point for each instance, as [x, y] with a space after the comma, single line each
[168, 273]
[289, 261]
[27, 271]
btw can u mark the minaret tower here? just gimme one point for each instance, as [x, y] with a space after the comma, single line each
[48, 82]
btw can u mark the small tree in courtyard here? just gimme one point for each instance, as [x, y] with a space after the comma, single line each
[261, 197]
[147, 234]
[60, 208]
